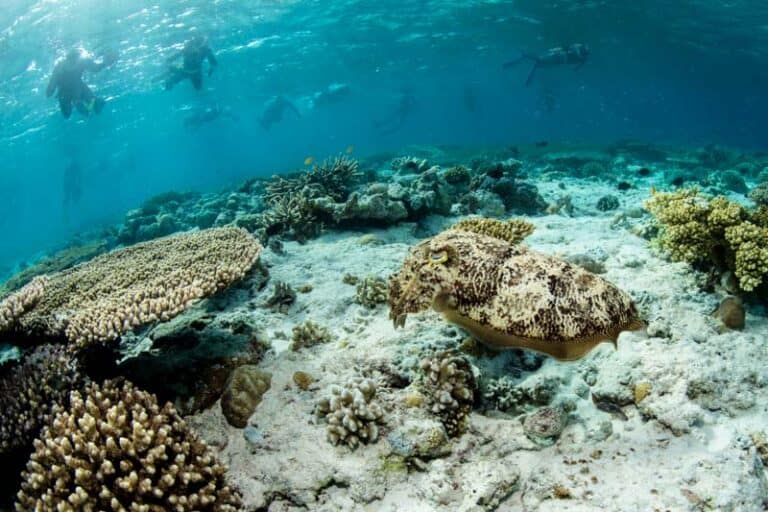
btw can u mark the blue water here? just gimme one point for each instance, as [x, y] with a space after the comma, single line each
[683, 72]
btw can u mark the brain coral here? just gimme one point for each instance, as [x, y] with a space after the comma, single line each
[29, 391]
[243, 393]
[510, 296]
[116, 449]
[117, 292]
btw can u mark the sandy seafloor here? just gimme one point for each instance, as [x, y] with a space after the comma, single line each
[688, 445]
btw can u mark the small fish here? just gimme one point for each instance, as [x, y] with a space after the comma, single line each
[309, 160]
[349, 149]
[607, 405]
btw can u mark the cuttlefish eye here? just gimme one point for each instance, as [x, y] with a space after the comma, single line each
[438, 258]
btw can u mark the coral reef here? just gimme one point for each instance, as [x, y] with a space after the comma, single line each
[371, 292]
[458, 175]
[449, 384]
[243, 393]
[309, 334]
[513, 231]
[712, 232]
[759, 194]
[352, 413]
[115, 448]
[120, 291]
[30, 390]
[510, 296]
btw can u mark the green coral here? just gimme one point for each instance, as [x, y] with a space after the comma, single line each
[713, 232]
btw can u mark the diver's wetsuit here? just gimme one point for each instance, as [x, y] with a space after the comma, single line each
[274, 110]
[194, 53]
[67, 78]
[575, 54]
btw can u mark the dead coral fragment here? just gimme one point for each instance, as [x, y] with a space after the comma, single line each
[243, 393]
[117, 292]
[282, 297]
[512, 231]
[450, 386]
[29, 391]
[352, 413]
[371, 292]
[309, 334]
[510, 296]
[115, 448]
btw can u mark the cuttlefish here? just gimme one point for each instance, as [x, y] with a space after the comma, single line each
[509, 296]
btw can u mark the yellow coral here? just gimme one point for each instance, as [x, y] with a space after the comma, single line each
[512, 231]
[697, 229]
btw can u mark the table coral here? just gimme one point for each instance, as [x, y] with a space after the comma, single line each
[115, 448]
[125, 289]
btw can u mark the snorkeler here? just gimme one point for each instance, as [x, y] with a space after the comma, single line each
[396, 120]
[207, 115]
[67, 78]
[575, 54]
[195, 51]
[274, 110]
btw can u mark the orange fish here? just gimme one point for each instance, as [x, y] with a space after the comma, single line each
[350, 149]
[309, 160]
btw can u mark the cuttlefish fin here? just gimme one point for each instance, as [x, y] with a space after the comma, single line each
[569, 350]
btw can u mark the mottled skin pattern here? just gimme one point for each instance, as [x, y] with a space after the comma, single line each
[509, 289]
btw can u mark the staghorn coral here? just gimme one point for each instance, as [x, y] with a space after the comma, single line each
[449, 384]
[352, 413]
[115, 448]
[291, 215]
[371, 292]
[335, 176]
[309, 334]
[714, 232]
[29, 391]
[125, 289]
[510, 296]
[243, 393]
[513, 231]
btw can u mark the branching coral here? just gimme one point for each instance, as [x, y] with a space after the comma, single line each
[371, 292]
[291, 214]
[309, 334]
[512, 231]
[125, 289]
[713, 231]
[450, 386]
[352, 413]
[115, 448]
[29, 391]
[335, 176]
